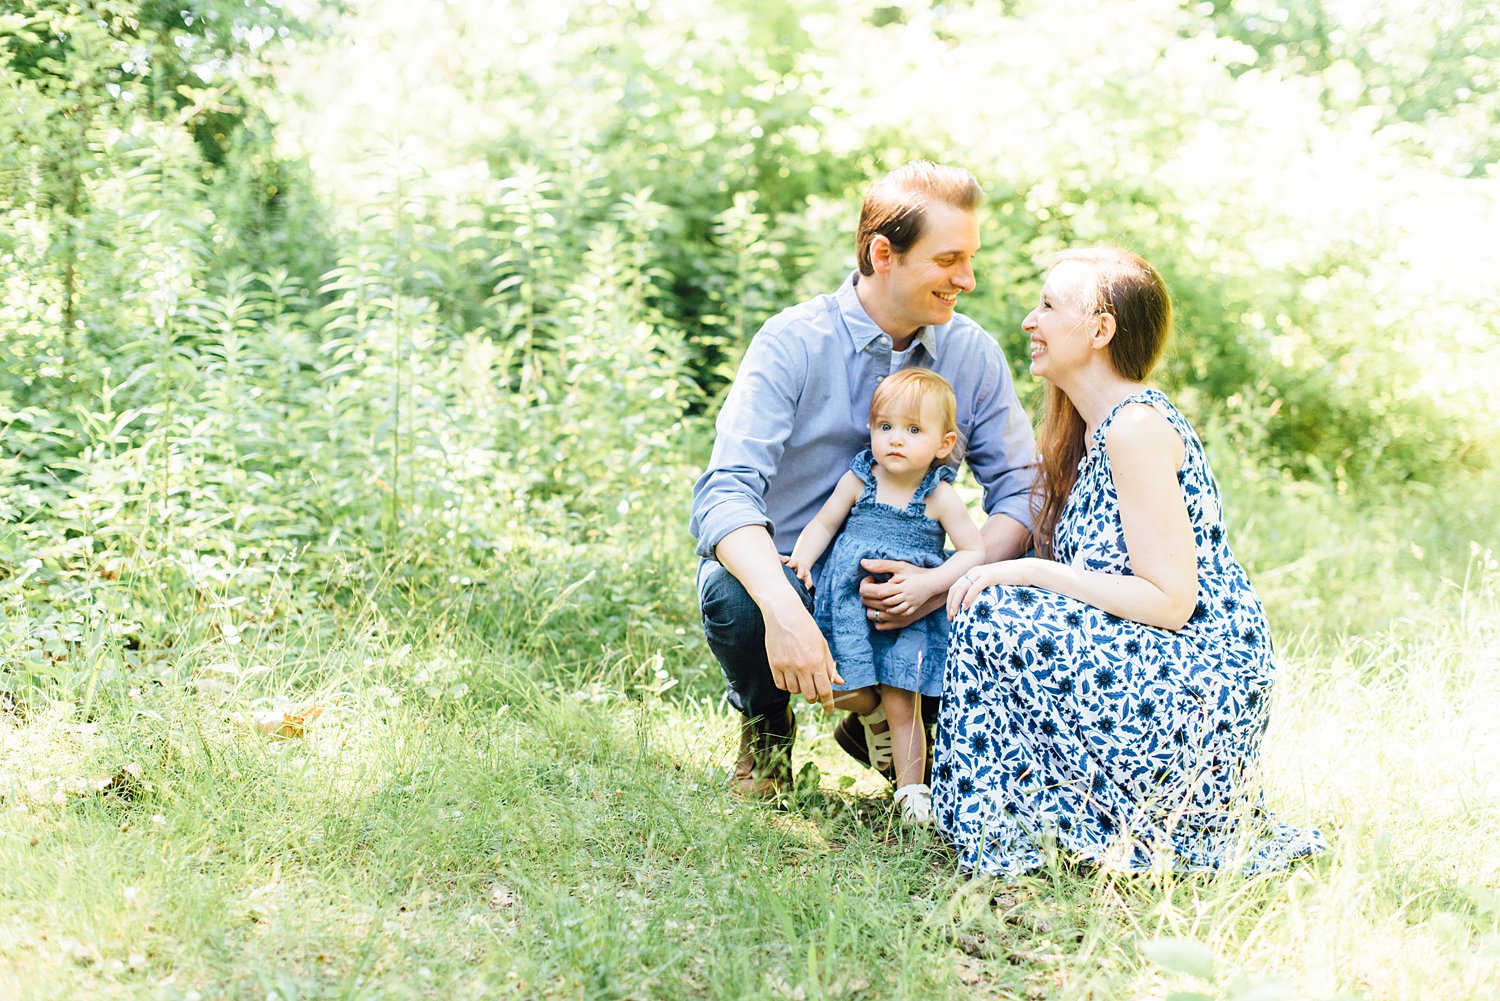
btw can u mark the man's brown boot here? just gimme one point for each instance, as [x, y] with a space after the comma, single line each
[764, 769]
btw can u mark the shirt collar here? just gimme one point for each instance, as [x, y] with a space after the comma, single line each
[864, 331]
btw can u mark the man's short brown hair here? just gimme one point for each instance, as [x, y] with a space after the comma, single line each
[896, 207]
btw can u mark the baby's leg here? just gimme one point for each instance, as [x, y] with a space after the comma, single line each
[909, 743]
[861, 700]
[866, 705]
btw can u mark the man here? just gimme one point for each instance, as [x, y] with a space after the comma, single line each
[794, 418]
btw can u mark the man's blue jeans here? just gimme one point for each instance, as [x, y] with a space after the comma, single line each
[736, 634]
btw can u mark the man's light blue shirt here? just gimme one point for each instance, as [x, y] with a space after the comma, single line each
[798, 412]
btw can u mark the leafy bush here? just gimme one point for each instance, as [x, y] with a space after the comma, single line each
[436, 324]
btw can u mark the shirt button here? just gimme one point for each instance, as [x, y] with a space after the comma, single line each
[879, 379]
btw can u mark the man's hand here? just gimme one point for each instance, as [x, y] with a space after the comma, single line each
[903, 599]
[798, 654]
[800, 661]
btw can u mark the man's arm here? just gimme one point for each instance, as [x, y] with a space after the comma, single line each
[750, 437]
[1002, 448]
[800, 660]
[1004, 537]
[729, 511]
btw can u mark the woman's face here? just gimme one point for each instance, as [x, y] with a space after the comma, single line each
[1060, 326]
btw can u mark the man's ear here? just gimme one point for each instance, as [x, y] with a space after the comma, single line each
[882, 255]
[1106, 331]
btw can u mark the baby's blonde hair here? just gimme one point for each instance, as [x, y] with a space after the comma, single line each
[902, 395]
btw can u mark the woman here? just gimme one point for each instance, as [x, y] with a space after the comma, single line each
[1112, 692]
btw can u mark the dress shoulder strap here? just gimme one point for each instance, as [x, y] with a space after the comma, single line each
[1153, 398]
[941, 474]
[1157, 400]
[862, 466]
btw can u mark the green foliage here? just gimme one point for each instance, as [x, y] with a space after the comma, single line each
[415, 301]
[1426, 73]
[465, 808]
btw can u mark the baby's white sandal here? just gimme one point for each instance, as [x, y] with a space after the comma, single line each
[915, 802]
[877, 744]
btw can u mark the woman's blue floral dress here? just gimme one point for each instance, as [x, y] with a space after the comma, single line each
[1129, 745]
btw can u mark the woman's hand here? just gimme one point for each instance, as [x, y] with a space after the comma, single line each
[968, 587]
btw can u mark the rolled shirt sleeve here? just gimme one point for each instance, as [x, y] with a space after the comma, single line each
[750, 437]
[1001, 447]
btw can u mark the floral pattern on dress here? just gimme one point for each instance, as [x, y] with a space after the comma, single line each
[1129, 745]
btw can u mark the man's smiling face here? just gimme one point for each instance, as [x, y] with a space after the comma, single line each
[926, 281]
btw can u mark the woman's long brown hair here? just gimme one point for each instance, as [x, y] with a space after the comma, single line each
[1131, 291]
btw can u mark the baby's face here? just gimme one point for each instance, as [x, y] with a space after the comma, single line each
[908, 442]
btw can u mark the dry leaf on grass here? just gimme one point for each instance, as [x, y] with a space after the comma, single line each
[978, 945]
[282, 722]
[127, 783]
[967, 972]
[502, 896]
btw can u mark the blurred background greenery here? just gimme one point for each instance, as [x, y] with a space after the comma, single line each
[307, 305]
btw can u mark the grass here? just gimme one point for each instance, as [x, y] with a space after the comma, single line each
[471, 818]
